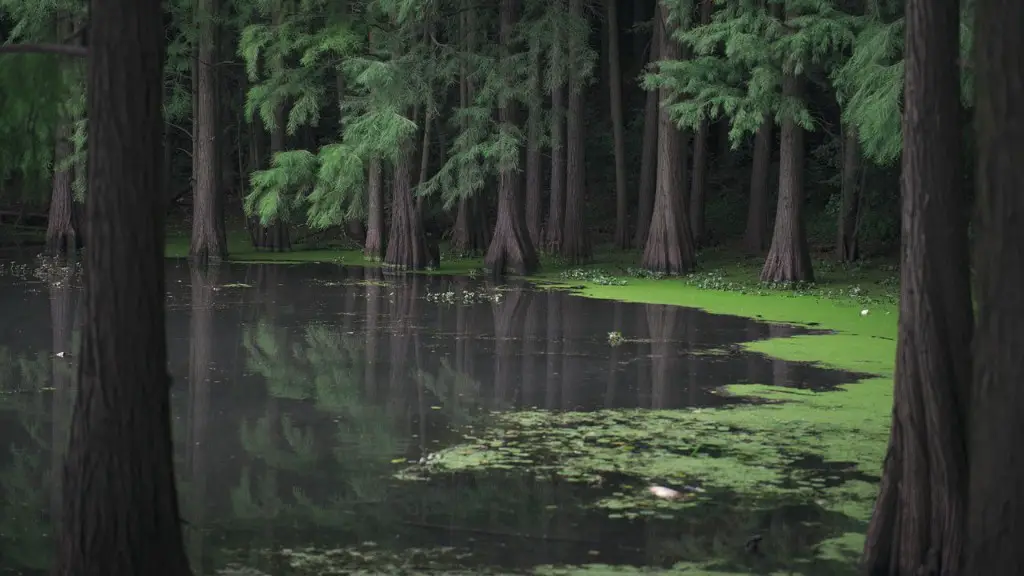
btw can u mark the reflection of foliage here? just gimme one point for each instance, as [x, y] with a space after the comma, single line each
[20, 373]
[257, 440]
[458, 393]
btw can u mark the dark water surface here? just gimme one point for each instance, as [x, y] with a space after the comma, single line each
[301, 389]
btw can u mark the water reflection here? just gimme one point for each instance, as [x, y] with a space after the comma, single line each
[300, 390]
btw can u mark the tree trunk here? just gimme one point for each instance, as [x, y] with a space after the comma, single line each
[618, 126]
[556, 198]
[649, 151]
[533, 157]
[918, 523]
[61, 236]
[847, 248]
[789, 259]
[510, 249]
[374, 247]
[994, 528]
[575, 239]
[120, 503]
[755, 240]
[698, 184]
[407, 249]
[469, 237]
[208, 237]
[669, 246]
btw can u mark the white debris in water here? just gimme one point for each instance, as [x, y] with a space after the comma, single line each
[665, 493]
[864, 312]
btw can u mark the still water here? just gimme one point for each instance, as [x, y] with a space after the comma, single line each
[301, 390]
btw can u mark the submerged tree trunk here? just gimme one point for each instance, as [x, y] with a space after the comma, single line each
[407, 248]
[789, 259]
[755, 239]
[510, 249]
[847, 248]
[208, 237]
[918, 523]
[669, 248]
[618, 127]
[648, 152]
[996, 497]
[373, 249]
[120, 503]
[700, 158]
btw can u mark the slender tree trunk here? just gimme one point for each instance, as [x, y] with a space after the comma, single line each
[755, 240]
[669, 248]
[556, 198]
[847, 247]
[994, 527]
[510, 249]
[698, 184]
[120, 515]
[649, 150]
[918, 523]
[374, 247]
[789, 259]
[618, 126]
[534, 130]
[576, 247]
[407, 249]
[208, 238]
[469, 237]
[61, 233]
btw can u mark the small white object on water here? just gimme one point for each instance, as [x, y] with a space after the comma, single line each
[60, 354]
[864, 312]
[663, 492]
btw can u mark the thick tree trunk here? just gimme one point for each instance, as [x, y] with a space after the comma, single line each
[847, 248]
[407, 249]
[700, 158]
[61, 236]
[120, 515]
[789, 259]
[648, 152]
[208, 237]
[510, 249]
[918, 523]
[534, 130]
[669, 247]
[994, 527]
[755, 239]
[618, 125]
[374, 247]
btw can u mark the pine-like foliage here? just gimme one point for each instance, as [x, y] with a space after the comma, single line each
[737, 61]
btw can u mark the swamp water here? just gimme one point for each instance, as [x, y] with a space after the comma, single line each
[333, 420]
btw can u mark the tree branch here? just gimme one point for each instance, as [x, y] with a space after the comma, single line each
[65, 50]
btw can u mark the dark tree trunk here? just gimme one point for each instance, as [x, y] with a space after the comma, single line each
[556, 198]
[469, 237]
[648, 151]
[407, 248]
[618, 126]
[789, 259]
[208, 237]
[575, 238]
[994, 527]
[669, 248]
[510, 249]
[918, 523]
[373, 249]
[847, 248]
[700, 158]
[120, 515]
[755, 240]
[509, 319]
[534, 130]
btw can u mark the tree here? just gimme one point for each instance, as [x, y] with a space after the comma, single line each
[918, 523]
[996, 475]
[649, 149]
[576, 247]
[120, 512]
[618, 129]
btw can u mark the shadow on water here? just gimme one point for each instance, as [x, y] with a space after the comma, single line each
[303, 392]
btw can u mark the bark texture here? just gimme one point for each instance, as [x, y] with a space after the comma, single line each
[789, 259]
[208, 237]
[120, 504]
[556, 198]
[510, 249]
[407, 249]
[700, 158]
[995, 528]
[755, 239]
[373, 249]
[469, 236]
[61, 236]
[918, 523]
[618, 125]
[576, 247]
[847, 247]
[669, 248]
[648, 154]
[534, 173]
